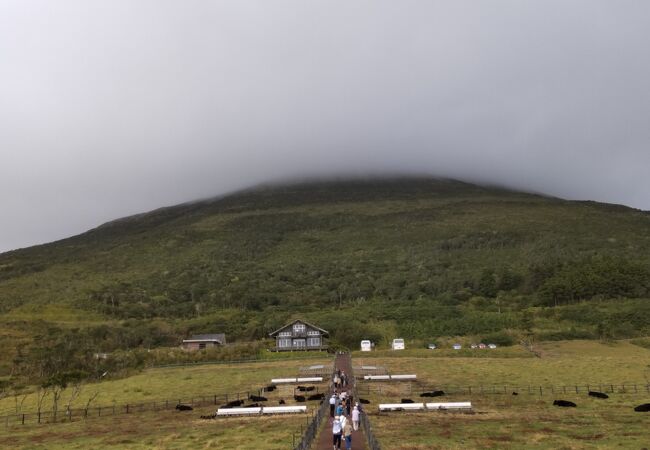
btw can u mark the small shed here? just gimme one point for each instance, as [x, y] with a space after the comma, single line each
[201, 341]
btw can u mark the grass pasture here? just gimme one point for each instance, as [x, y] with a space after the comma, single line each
[518, 422]
[562, 363]
[505, 421]
[175, 383]
[161, 430]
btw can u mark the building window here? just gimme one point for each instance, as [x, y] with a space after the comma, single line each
[284, 343]
[313, 333]
[299, 328]
[285, 334]
[313, 342]
[298, 343]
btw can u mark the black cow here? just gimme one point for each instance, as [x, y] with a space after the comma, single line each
[316, 396]
[257, 398]
[564, 403]
[598, 394]
[306, 388]
[515, 393]
[270, 388]
[432, 394]
[363, 401]
[281, 402]
[407, 400]
[643, 408]
[299, 398]
[182, 407]
[234, 404]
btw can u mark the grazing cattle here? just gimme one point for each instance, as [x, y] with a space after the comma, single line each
[363, 401]
[233, 404]
[281, 402]
[299, 398]
[564, 403]
[407, 400]
[643, 408]
[181, 407]
[306, 388]
[270, 388]
[257, 398]
[316, 396]
[597, 394]
[515, 393]
[432, 394]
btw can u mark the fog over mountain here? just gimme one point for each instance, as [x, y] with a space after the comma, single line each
[111, 108]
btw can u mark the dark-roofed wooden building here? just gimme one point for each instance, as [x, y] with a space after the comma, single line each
[299, 335]
[201, 341]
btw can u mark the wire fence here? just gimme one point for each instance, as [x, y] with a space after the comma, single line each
[307, 436]
[509, 389]
[364, 422]
[74, 414]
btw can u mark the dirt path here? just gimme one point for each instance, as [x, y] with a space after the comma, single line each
[324, 441]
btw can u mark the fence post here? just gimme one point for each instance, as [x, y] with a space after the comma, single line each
[39, 417]
[23, 422]
[127, 408]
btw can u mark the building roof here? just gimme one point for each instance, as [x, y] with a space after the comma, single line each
[301, 321]
[219, 337]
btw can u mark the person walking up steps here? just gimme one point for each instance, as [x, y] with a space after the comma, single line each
[347, 435]
[336, 433]
[355, 418]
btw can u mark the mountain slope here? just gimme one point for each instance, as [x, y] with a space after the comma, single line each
[416, 256]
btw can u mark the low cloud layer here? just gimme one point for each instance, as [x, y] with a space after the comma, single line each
[117, 107]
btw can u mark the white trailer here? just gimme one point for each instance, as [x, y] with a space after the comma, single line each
[366, 345]
[398, 344]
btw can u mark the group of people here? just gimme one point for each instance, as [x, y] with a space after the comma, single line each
[345, 418]
[340, 379]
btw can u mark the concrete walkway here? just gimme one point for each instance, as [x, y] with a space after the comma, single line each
[324, 440]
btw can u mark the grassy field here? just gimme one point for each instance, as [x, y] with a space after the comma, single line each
[522, 421]
[176, 383]
[566, 362]
[161, 430]
[509, 422]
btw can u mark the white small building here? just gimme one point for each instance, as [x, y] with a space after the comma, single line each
[398, 344]
[366, 345]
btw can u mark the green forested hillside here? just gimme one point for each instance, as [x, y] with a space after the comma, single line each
[419, 258]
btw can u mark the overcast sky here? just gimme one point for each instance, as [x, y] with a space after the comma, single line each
[110, 108]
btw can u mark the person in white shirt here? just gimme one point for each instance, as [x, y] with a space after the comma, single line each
[355, 418]
[332, 404]
[337, 429]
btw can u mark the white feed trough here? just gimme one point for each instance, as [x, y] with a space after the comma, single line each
[376, 377]
[449, 405]
[318, 366]
[283, 380]
[401, 406]
[309, 380]
[368, 367]
[238, 411]
[403, 377]
[284, 409]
